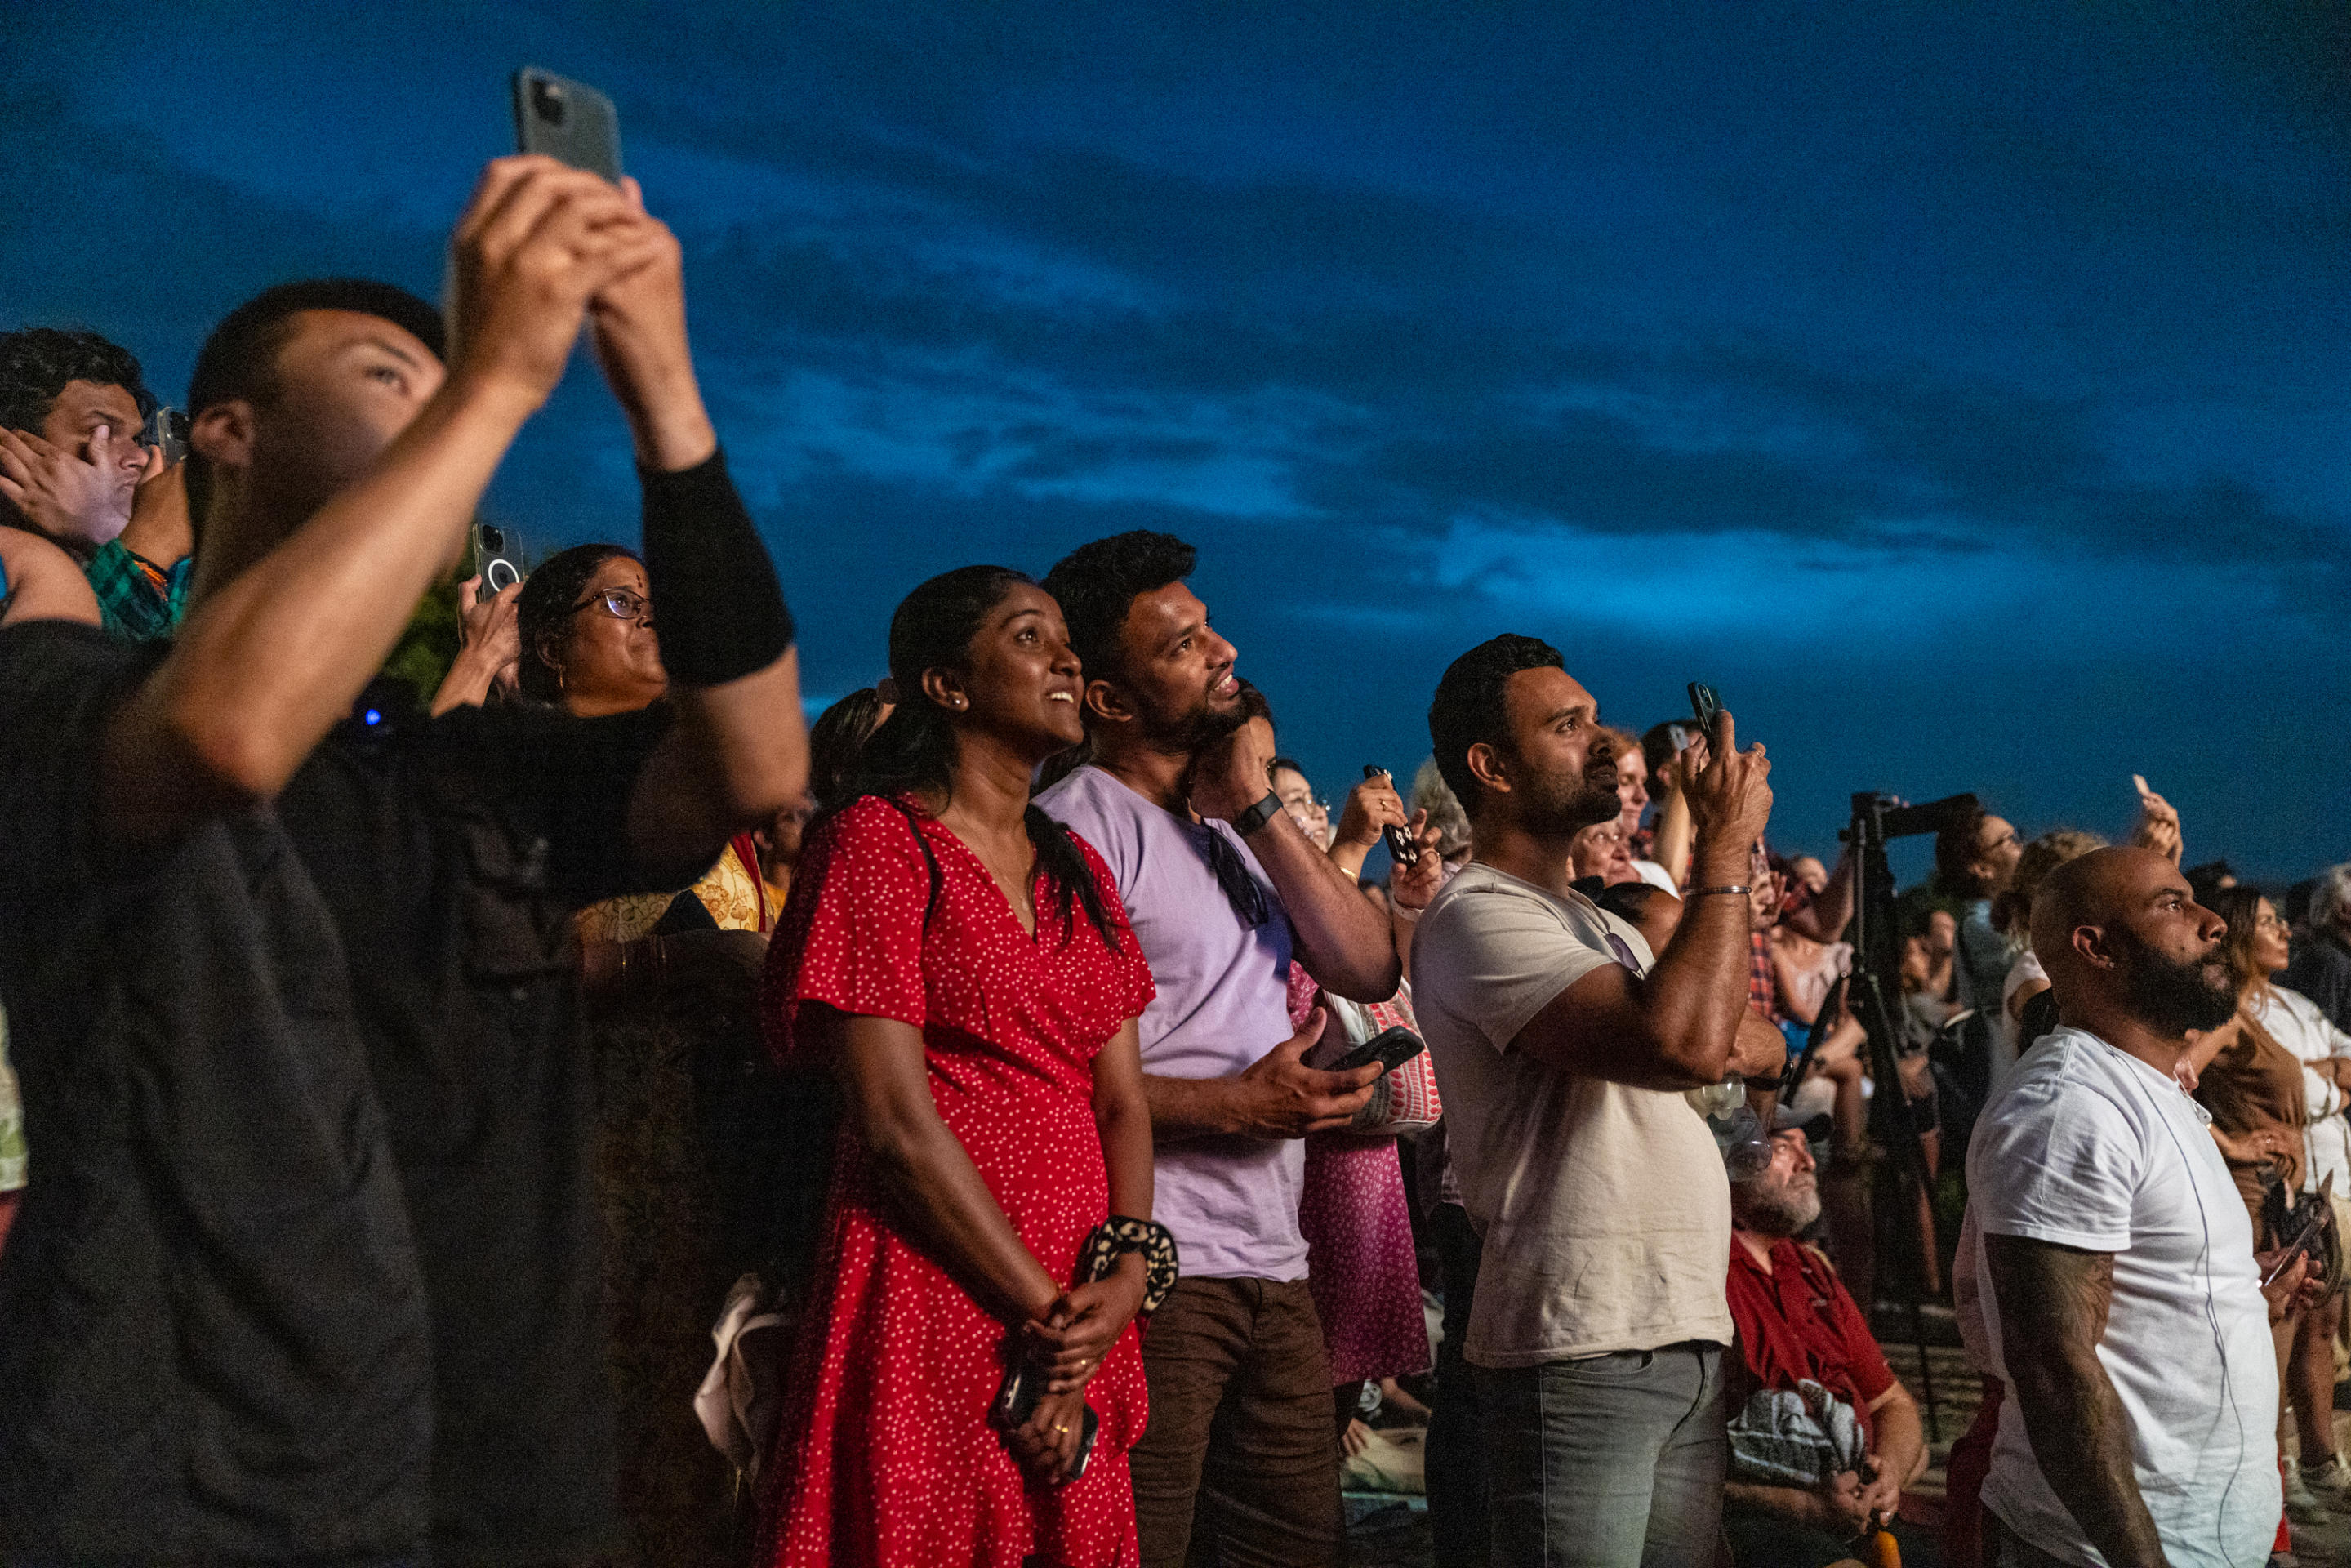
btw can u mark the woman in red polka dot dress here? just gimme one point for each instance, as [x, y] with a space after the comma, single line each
[963, 964]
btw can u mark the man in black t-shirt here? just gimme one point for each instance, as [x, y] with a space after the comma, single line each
[310, 1269]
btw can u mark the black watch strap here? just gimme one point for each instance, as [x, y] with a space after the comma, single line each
[1259, 815]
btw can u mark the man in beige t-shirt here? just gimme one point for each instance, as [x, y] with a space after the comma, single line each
[1563, 1048]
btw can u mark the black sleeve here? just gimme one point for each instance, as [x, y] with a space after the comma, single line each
[718, 610]
[61, 682]
[563, 781]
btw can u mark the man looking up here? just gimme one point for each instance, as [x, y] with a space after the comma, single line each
[72, 409]
[1798, 1324]
[309, 1271]
[1222, 887]
[1563, 1049]
[2121, 1303]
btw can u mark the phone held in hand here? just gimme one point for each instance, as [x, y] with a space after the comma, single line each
[1401, 848]
[1391, 1048]
[1705, 704]
[570, 122]
[168, 428]
[497, 559]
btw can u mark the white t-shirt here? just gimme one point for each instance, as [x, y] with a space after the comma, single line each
[2295, 1021]
[2088, 1147]
[1605, 1210]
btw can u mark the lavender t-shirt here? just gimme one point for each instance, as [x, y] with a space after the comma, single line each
[1223, 1003]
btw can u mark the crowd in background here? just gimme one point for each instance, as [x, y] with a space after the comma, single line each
[496, 1087]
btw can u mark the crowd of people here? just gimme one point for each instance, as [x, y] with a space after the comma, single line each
[491, 1086]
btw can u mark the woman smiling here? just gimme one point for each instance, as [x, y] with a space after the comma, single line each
[964, 965]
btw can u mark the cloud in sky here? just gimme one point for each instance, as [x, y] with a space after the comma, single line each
[1973, 378]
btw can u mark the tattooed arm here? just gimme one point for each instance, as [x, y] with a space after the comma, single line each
[2052, 1304]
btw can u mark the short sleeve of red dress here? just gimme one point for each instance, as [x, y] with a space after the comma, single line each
[851, 932]
[1131, 987]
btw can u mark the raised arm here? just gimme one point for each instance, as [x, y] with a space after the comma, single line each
[267, 662]
[2052, 1302]
[738, 752]
[1342, 938]
[1682, 1026]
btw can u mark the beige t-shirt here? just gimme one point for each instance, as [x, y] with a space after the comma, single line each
[1605, 1209]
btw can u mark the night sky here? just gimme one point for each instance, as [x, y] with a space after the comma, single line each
[1961, 390]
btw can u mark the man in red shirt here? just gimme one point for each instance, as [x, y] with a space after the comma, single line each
[1824, 1437]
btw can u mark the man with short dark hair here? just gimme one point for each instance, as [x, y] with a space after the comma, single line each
[73, 410]
[1224, 890]
[2118, 1296]
[307, 1272]
[1808, 1472]
[1563, 1048]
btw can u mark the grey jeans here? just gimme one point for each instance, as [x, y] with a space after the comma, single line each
[1607, 1461]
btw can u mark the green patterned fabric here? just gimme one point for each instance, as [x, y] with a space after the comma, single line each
[128, 604]
[12, 1120]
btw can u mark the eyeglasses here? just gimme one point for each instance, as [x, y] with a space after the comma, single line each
[620, 603]
[2270, 922]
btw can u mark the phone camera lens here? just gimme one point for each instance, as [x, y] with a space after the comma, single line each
[547, 101]
[496, 540]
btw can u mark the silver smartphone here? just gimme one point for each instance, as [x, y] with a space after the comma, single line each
[568, 120]
[497, 557]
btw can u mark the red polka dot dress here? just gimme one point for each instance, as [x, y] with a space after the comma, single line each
[885, 1453]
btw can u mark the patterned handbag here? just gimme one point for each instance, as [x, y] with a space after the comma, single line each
[1404, 1102]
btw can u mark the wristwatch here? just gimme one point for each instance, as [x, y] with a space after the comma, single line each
[1259, 815]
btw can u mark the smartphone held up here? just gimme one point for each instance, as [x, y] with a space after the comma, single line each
[570, 122]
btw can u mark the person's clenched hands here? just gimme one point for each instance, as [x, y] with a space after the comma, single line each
[489, 632]
[1844, 1503]
[536, 241]
[79, 498]
[1078, 1330]
[1046, 1444]
[1280, 1097]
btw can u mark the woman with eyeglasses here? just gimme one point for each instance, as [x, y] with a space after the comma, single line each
[671, 981]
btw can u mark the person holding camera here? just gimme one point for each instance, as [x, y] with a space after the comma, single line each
[1564, 1046]
[308, 1270]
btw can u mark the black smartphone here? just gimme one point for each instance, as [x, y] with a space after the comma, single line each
[1401, 848]
[1706, 705]
[1391, 1048]
[497, 557]
[168, 428]
[1016, 1401]
[568, 120]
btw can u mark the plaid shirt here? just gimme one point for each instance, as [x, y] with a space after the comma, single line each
[1763, 980]
[136, 599]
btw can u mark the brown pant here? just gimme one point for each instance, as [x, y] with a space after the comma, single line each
[1240, 1448]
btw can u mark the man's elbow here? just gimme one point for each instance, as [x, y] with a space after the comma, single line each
[1372, 979]
[235, 761]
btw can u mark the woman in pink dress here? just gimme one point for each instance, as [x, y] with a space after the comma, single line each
[964, 966]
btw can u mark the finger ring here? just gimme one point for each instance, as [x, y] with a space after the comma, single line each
[1061, 1429]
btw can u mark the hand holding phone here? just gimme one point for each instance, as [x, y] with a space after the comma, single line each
[1401, 848]
[1391, 1048]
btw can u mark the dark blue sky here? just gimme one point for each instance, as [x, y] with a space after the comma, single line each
[1959, 389]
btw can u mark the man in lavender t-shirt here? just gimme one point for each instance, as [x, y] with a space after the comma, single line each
[1223, 889]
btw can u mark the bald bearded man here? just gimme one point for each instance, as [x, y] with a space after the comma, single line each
[2122, 1302]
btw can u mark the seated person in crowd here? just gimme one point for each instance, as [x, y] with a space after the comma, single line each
[73, 412]
[306, 1270]
[1806, 1480]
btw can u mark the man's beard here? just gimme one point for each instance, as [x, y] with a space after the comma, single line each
[1564, 805]
[1778, 1211]
[2172, 997]
[1186, 734]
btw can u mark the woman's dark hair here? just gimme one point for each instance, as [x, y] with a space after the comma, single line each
[1959, 844]
[2240, 905]
[914, 750]
[839, 734]
[543, 613]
